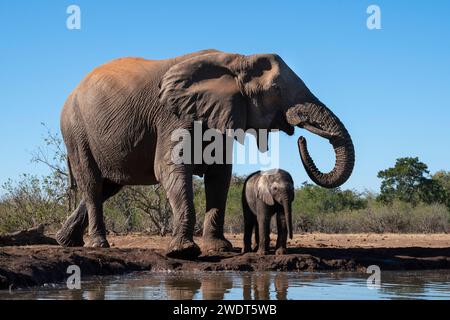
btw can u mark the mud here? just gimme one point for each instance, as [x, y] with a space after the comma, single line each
[23, 266]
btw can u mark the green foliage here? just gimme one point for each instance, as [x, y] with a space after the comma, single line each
[234, 221]
[31, 201]
[142, 208]
[199, 204]
[443, 178]
[409, 181]
[410, 201]
[311, 202]
[314, 199]
[397, 217]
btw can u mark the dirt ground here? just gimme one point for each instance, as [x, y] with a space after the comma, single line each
[22, 266]
[310, 240]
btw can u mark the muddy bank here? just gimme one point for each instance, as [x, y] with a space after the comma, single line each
[23, 266]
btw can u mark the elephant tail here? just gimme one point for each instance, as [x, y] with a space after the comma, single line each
[72, 181]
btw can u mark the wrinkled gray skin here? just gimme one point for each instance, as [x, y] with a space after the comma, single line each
[267, 193]
[117, 127]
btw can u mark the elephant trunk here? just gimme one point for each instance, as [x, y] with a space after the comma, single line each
[318, 119]
[288, 215]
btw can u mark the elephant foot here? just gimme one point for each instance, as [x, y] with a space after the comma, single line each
[71, 233]
[67, 237]
[183, 249]
[247, 249]
[262, 252]
[98, 241]
[216, 245]
[280, 251]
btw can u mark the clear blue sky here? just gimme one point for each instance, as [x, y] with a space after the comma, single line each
[391, 87]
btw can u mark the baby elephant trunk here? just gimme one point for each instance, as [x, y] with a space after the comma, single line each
[288, 215]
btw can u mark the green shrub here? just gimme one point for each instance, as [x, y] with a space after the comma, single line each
[398, 217]
[410, 203]
[31, 201]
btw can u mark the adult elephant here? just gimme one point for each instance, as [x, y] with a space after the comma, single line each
[117, 126]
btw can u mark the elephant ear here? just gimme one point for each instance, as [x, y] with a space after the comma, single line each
[256, 76]
[205, 89]
[263, 191]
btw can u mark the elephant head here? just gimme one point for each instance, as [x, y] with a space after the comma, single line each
[276, 186]
[232, 91]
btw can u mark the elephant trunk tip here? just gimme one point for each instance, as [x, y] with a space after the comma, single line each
[345, 159]
[318, 119]
[288, 216]
[301, 140]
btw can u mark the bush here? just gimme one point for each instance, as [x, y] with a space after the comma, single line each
[398, 217]
[314, 199]
[33, 200]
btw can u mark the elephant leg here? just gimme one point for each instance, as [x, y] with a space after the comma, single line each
[249, 224]
[282, 234]
[256, 229]
[94, 204]
[263, 217]
[71, 233]
[217, 182]
[177, 183]
[247, 286]
[176, 179]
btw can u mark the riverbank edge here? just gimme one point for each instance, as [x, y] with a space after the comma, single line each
[29, 266]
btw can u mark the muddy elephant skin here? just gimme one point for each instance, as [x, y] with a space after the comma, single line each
[267, 193]
[118, 122]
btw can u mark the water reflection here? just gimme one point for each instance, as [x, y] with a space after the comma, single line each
[214, 288]
[249, 286]
[180, 288]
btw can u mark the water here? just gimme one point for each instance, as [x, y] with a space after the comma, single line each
[249, 285]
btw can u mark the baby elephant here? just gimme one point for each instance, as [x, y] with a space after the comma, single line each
[266, 193]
